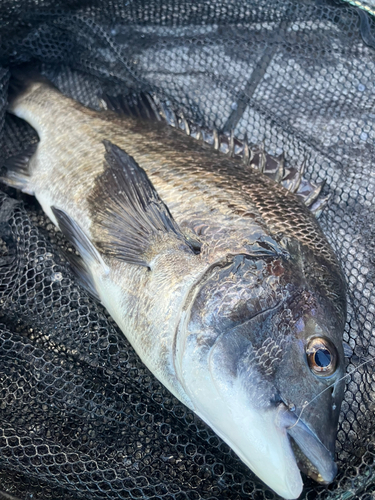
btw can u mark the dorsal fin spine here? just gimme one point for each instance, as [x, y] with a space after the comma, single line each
[255, 157]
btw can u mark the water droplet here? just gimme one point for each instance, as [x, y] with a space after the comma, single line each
[361, 87]
[234, 105]
[364, 136]
[56, 277]
[333, 407]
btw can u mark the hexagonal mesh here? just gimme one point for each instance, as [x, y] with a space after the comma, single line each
[80, 416]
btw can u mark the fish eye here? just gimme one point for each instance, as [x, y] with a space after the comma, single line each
[321, 356]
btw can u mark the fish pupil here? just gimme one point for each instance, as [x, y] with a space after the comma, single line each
[323, 358]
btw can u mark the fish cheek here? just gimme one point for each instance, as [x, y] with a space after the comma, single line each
[234, 369]
[232, 320]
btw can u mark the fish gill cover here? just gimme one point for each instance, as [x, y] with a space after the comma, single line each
[80, 416]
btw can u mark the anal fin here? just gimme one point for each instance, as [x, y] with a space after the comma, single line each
[82, 273]
[17, 173]
[89, 254]
[74, 233]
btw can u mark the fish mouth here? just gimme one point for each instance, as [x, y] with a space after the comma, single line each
[312, 457]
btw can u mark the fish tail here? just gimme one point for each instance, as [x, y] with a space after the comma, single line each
[25, 81]
[16, 172]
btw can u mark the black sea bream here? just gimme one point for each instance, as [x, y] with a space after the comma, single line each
[219, 276]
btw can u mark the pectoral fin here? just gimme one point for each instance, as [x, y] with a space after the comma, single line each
[128, 213]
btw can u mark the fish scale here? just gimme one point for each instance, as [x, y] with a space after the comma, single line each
[219, 276]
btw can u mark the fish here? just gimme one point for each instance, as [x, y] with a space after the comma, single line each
[217, 272]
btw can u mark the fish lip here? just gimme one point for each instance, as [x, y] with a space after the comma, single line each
[308, 468]
[311, 446]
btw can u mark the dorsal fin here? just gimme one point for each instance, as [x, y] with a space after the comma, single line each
[136, 105]
[147, 107]
[130, 214]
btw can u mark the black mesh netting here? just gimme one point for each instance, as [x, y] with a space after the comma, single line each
[80, 416]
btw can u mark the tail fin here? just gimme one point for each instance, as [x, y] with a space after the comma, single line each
[15, 171]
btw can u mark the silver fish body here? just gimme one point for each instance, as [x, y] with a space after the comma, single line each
[219, 277]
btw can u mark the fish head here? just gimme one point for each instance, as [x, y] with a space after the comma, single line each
[259, 353]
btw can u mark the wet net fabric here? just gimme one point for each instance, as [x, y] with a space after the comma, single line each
[80, 416]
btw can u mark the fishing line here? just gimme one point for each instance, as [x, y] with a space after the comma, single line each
[307, 403]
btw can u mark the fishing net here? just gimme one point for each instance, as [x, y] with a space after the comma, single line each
[80, 416]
